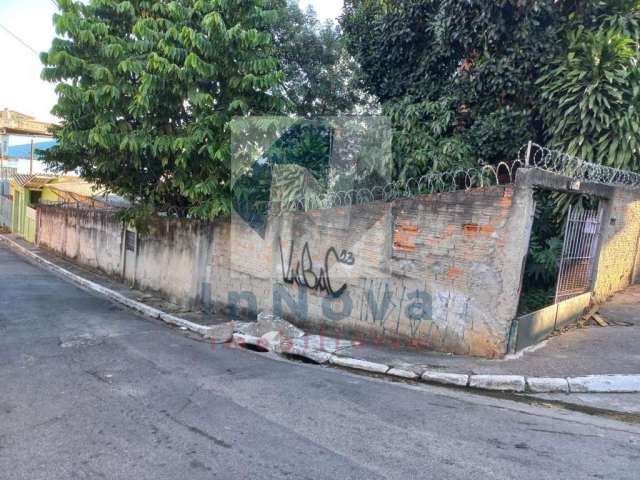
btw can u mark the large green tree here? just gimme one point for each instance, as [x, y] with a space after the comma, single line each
[146, 91]
[457, 78]
[469, 82]
[320, 74]
[591, 92]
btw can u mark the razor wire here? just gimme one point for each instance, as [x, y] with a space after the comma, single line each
[530, 155]
[428, 184]
[533, 155]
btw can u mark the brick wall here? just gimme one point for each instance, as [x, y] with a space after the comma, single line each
[439, 271]
[619, 244]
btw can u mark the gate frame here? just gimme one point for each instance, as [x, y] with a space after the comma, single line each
[594, 249]
[524, 331]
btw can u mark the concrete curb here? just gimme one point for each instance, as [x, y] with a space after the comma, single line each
[612, 383]
[139, 307]
[495, 383]
[356, 364]
[503, 383]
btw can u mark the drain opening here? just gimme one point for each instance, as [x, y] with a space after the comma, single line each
[253, 347]
[299, 358]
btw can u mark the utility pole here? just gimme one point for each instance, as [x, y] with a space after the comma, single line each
[4, 147]
[31, 159]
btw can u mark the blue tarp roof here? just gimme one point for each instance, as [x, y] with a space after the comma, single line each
[24, 151]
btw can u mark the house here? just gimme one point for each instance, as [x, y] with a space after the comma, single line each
[26, 191]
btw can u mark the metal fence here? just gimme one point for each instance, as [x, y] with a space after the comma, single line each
[440, 182]
[530, 155]
[577, 262]
[79, 205]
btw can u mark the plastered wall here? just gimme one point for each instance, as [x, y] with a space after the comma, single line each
[440, 271]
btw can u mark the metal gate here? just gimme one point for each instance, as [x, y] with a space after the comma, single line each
[578, 253]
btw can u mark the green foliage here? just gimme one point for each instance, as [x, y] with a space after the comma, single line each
[147, 89]
[320, 74]
[534, 299]
[470, 82]
[543, 259]
[592, 98]
[425, 137]
[292, 168]
[457, 78]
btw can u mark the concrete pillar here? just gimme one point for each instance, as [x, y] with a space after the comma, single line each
[4, 145]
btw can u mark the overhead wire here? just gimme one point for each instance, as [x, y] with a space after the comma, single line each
[18, 39]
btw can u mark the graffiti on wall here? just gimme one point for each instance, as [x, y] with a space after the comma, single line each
[304, 274]
[388, 304]
[396, 306]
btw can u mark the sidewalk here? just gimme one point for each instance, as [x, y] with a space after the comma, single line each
[589, 359]
[580, 360]
[592, 350]
[155, 306]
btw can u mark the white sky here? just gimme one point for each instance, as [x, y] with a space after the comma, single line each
[326, 9]
[20, 86]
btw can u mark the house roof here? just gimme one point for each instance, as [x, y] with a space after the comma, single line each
[83, 188]
[31, 181]
[89, 190]
[73, 186]
[112, 200]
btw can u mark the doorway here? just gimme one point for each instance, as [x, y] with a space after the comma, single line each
[562, 249]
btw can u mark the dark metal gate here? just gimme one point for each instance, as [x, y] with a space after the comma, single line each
[578, 253]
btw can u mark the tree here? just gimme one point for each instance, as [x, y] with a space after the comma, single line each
[147, 90]
[320, 80]
[591, 94]
[457, 78]
[469, 82]
[320, 74]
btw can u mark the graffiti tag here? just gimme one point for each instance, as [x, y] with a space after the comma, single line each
[303, 274]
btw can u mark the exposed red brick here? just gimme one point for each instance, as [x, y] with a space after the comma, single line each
[488, 229]
[505, 202]
[404, 237]
[405, 247]
[454, 273]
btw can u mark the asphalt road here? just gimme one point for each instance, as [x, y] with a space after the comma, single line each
[89, 390]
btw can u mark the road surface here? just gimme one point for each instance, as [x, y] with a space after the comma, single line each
[89, 390]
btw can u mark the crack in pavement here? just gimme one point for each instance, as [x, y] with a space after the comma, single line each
[197, 431]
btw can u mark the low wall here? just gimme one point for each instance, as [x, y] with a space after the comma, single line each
[174, 257]
[88, 236]
[441, 271]
[534, 327]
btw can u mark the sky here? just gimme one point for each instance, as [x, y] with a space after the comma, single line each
[21, 88]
